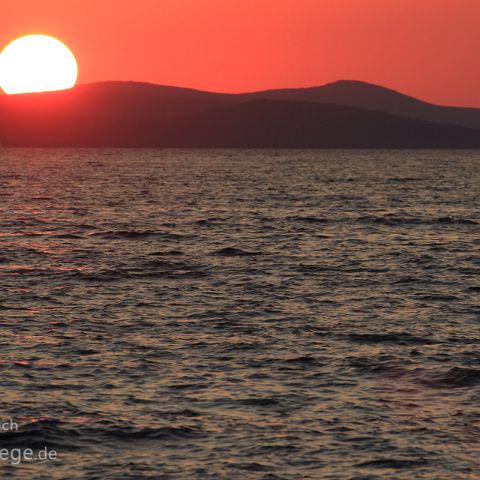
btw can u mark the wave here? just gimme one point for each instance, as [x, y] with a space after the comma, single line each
[395, 338]
[404, 179]
[392, 220]
[150, 269]
[393, 463]
[135, 235]
[208, 221]
[308, 219]
[305, 360]
[68, 236]
[455, 377]
[456, 221]
[388, 220]
[235, 252]
[167, 253]
[161, 433]
[40, 434]
[437, 297]
[11, 307]
[260, 402]
[57, 434]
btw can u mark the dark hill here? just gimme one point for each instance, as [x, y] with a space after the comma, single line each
[373, 97]
[143, 100]
[116, 100]
[258, 123]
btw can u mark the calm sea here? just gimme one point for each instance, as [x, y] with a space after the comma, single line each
[170, 314]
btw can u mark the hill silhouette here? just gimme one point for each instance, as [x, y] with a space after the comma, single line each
[115, 100]
[373, 97]
[344, 114]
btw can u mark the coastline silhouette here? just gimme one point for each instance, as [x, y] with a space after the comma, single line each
[344, 114]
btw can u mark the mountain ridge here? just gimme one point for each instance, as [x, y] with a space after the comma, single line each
[346, 113]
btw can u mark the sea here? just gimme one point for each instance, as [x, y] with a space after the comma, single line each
[239, 314]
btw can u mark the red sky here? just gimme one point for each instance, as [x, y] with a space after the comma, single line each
[426, 48]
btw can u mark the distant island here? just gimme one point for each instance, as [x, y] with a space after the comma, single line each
[344, 114]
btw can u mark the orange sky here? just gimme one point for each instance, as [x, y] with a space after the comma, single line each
[427, 48]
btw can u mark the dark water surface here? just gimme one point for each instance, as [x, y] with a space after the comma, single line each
[241, 314]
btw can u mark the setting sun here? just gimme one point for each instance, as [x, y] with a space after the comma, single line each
[37, 63]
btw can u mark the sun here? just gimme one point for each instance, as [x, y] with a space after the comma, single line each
[37, 63]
